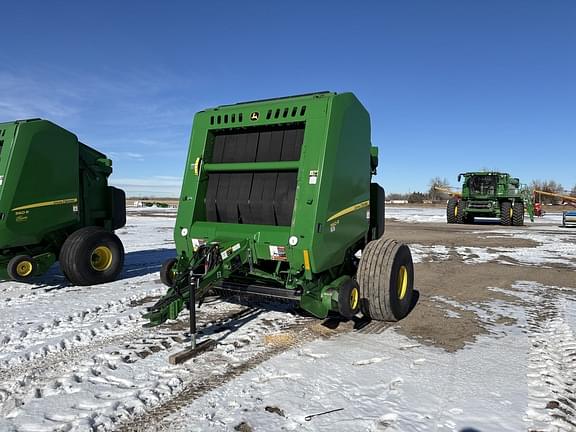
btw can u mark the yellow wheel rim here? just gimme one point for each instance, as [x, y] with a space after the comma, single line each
[24, 268]
[456, 211]
[101, 259]
[511, 212]
[354, 295]
[402, 284]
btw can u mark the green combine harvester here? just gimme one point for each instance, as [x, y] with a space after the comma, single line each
[55, 204]
[490, 195]
[277, 200]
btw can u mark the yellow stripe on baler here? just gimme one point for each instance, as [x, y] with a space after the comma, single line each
[47, 204]
[349, 210]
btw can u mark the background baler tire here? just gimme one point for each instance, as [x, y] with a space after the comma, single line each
[505, 217]
[386, 280]
[451, 207]
[518, 214]
[92, 256]
[166, 274]
[21, 268]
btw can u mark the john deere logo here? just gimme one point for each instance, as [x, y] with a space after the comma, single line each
[254, 116]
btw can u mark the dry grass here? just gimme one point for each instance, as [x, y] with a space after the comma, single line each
[281, 340]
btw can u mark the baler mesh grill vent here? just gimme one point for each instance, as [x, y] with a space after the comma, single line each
[2, 132]
[286, 112]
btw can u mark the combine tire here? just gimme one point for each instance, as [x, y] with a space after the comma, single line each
[386, 278]
[451, 210]
[460, 213]
[92, 256]
[506, 213]
[349, 299]
[21, 268]
[167, 272]
[518, 214]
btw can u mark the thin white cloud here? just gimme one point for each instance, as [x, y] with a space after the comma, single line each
[134, 118]
[156, 186]
[126, 156]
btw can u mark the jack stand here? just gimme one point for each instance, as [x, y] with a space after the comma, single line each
[195, 348]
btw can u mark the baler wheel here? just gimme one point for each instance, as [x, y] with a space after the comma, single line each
[451, 210]
[518, 214]
[92, 256]
[506, 213]
[386, 279]
[21, 268]
[349, 299]
[167, 272]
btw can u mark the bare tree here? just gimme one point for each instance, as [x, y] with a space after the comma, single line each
[438, 182]
[549, 186]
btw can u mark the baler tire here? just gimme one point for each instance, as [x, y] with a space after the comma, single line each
[92, 256]
[386, 280]
[460, 213]
[451, 209]
[21, 268]
[166, 274]
[505, 213]
[518, 214]
[349, 299]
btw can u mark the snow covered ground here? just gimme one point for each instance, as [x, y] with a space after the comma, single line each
[503, 382]
[438, 214]
[554, 248]
[78, 359]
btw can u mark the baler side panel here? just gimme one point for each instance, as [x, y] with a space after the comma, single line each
[40, 186]
[345, 187]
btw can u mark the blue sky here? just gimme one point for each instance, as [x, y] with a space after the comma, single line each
[451, 85]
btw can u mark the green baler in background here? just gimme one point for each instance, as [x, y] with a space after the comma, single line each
[55, 204]
[277, 200]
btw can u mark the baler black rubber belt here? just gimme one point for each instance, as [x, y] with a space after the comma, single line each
[265, 198]
[264, 146]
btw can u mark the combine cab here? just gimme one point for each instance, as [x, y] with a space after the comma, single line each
[55, 204]
[490, 194]
[277, 200]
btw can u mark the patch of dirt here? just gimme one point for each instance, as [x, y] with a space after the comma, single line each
[143, 301]
[243, 427]
[429, 324]
[430, 234]
[275, 410]
[466, 284]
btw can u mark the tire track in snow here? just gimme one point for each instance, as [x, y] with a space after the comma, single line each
[114, 379]
[552, 362]
[296, 333]
[80, 328]
[131, 341]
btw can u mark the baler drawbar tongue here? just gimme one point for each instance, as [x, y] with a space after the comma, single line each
[195, 349]
[208, 266]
